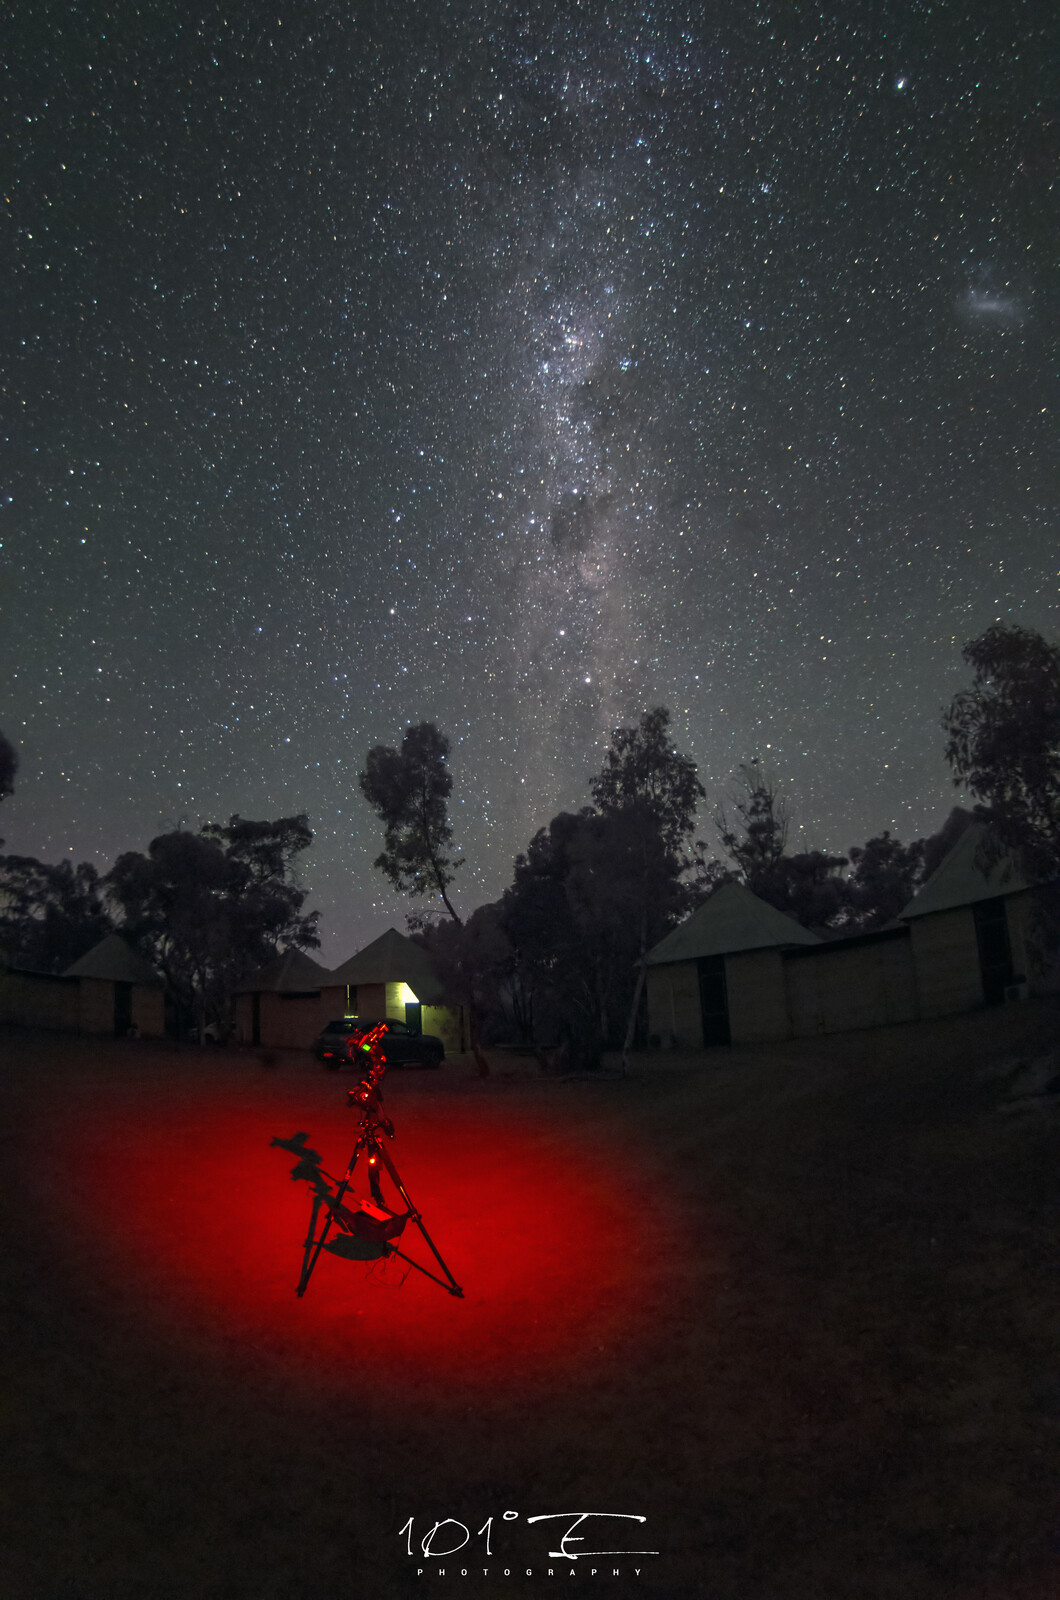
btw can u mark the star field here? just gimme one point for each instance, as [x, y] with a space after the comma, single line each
[516, 367]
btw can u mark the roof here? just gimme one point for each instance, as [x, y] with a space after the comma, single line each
[115, 962]
[962, 878]
[392, 958]
[293, 973]
[732, 919]
[14, 966]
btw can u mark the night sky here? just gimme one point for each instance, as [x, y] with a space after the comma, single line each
[517, 367]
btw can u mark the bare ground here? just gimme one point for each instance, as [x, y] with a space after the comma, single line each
[828, 1368]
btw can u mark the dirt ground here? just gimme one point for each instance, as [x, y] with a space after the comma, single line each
[798, 1309]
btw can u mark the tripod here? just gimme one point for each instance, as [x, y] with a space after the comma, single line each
[365, 1230]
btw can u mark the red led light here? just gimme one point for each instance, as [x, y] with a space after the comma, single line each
[176, 1198]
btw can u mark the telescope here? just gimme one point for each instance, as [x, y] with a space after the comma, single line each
[364, 1230]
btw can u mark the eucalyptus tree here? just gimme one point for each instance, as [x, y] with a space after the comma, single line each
[409, 789]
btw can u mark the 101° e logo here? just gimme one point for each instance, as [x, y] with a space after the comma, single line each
[571, 1532]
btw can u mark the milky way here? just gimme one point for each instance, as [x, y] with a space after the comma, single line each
[517, 367]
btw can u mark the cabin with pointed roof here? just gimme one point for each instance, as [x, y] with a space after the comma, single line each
[395, 977]
[718, 978]
[738, 971]
[120, 995]
[288, 1004]
[971, 926]
[741, 972]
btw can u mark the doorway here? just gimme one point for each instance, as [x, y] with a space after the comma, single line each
[122, 1010]
[995, 951]
[713, 1000]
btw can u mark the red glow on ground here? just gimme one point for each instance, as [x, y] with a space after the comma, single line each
[182, 1201]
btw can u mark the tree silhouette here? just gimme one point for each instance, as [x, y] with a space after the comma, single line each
[472, 959]
[594, 891]
[756, 837]
[884, 876]
[51, 914]
[646, 793]
[642, 772]
[808, 886]
[210, 908]
[409, 790]
[561, 934]
[1003, 742]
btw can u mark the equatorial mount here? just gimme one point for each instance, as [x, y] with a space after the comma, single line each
[364, 1229]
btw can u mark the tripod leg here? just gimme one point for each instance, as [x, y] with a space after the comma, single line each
[453, 1286]
[394, 1251]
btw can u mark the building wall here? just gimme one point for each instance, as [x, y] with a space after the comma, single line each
[1028, 960]
[1018, 917]
[775, 994]
[447, 1024]
[288, 1022]
[332, 1006]
[674, 1011]
[294, 1022]
[946, 955]
[35, 1000]
[398, 996]
[754, 980]
[930, 971]
[946, 960]
[372, 1000]
[245, 1019]
[149, 1011]
[96, 1009]
[835, 988]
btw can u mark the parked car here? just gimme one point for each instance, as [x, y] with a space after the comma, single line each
[402, 1047]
